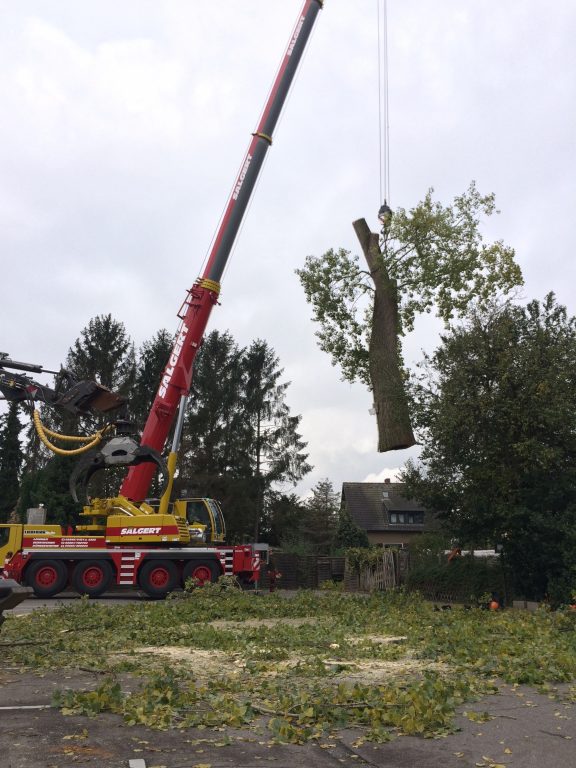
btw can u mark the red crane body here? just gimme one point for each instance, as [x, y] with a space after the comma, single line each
[196, 310]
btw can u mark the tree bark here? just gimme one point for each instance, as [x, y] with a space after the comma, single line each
[390, 400]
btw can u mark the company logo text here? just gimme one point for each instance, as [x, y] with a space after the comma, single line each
[173, 362]
[138, 531]
[241, 178]
[295, 37]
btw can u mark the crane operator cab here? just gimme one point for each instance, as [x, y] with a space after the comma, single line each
[205, 520]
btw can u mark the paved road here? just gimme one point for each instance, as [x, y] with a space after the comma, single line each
[110, 598]
[527, 730]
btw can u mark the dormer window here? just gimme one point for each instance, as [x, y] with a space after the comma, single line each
[406, 518]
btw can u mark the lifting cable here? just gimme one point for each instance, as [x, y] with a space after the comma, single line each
[383, 112]
[44, 434]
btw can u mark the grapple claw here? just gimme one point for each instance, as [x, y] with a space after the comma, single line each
[122, 451]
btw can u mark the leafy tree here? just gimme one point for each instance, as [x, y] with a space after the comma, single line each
[319, 524]
[11, 457]
[495, 409]
[432, 256]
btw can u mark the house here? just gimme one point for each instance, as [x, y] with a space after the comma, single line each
[388, 517]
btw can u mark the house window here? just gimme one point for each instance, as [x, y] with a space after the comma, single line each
[406, 518]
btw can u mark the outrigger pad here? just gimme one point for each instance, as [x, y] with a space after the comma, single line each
[117, 452]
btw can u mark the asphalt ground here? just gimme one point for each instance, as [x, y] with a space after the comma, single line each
[527, 729]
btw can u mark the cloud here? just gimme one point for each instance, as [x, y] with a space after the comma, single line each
[392, 474]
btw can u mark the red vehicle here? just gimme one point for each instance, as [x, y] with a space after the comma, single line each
[127, 541]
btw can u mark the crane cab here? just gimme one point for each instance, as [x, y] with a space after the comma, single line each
[204, 518]
[10, 542]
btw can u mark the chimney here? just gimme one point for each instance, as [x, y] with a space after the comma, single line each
[387, 480]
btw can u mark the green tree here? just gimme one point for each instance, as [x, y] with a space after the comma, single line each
[321, 517]
[151, 361]
[105, 353]
[49, 486]
[214, 424]
[348, 534]
[432, 256]
[275, 447]
[496, 413]
[283, 520]
[11, 457]
[240, 439]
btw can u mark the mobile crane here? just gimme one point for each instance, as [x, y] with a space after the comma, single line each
[126, 540]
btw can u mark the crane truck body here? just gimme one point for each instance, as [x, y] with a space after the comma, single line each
[125, 540]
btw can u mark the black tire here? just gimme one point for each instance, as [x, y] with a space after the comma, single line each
[157, 578]
[203, 570]
[47, 577]
[92, 577]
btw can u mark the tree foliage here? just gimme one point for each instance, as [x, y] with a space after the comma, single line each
[105, 353]
[436, 258]
[496, 413]
[321, 517]
[348, 533]
[283, 519]
[151, 360]
[241, 440]
[11, 458]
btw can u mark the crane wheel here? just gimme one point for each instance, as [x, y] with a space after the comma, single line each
[202, 571]
[92, 577]
[47, 577]
[157, 578]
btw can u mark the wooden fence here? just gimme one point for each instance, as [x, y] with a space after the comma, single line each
[311, 571]
[388, 572]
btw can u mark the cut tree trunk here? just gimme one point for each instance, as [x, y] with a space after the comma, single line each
[390, 400]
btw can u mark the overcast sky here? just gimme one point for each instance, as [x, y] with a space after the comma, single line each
[123, 125]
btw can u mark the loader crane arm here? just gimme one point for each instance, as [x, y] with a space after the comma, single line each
[76, 397]
[114, 445]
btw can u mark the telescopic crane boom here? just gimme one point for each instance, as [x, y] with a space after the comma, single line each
[201, 298]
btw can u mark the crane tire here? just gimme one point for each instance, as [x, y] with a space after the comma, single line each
[157, 578]
[204, 571]
[47, 577]
[92, 577]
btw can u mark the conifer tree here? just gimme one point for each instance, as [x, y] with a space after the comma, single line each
[240, 439]
[320, 520]
[152, 357]
[11, 457]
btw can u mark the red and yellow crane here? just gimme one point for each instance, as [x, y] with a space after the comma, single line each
[126, 540]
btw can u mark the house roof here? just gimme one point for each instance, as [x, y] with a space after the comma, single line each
[370, 504]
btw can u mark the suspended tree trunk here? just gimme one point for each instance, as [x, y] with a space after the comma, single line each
[390, 401]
